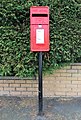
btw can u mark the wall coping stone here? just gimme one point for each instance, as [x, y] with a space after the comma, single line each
[18, 78]
[75, 64]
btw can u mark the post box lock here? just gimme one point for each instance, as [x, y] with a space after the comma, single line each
[39, 28]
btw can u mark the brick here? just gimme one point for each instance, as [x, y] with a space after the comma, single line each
[60, 85]
[30, 94]
[35, 89]
[71, 86]
[79, 85]
[26, 85]
[20, 81]
[49, 86]
[65, 81]
[9, 81]
[76, 67]
[57, 75]
[49, 89]
[31, 89]
[20, 89]
[67, 67]
[4, 85]
[62, 89]
[53, 82]
[76, 89]
[79, 71]
[66, 74]
[79, 78]
[49, 94]
[71, 78]
[76, 75]
[46, 94]
[61, 78]
[30, 81]
[62, 70]
[52, 93]
[56, 82]
[35, 85]
[1, 81]
[60, 93]
[14, 85]
[71, 94]
[9, 89]
[35, 81]
[45, 86]
[35, 93]
[46, 82]
[72, 71]
[79, 94]
[76, 82]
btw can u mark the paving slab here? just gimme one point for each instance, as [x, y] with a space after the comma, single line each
[24, 108]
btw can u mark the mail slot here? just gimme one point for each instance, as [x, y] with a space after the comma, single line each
[39, 28]
[39, 15]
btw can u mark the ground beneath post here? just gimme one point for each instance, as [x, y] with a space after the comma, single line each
[24, 108]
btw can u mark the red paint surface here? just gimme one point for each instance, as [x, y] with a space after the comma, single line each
[39, 15]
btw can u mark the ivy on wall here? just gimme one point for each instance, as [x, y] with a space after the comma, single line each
[65, 36]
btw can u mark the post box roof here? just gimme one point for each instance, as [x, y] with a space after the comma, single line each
[39, 10]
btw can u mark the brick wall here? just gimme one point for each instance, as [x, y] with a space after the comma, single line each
[18, 87]
[62, 82]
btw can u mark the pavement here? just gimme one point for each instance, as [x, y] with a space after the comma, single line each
[24, 108]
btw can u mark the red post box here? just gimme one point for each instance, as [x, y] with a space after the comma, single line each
[39, 28]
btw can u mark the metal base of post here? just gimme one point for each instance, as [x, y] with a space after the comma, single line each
[40, 87]
[41, 113]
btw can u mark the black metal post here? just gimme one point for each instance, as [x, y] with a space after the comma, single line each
[40, 87]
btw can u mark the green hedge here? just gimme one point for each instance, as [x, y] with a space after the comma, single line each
[65, 36]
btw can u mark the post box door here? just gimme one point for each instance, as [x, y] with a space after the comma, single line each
[39, 38]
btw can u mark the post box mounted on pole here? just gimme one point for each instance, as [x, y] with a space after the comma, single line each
[39, 40]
